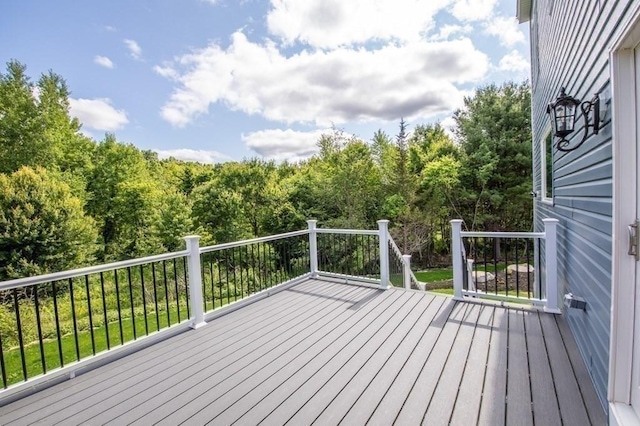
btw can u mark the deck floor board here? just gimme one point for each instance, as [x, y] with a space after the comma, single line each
[324, 352]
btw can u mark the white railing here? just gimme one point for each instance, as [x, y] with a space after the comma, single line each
[158, 296]
[483, 275]
[409, 279]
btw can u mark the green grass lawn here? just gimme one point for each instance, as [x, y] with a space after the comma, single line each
[434, 275]
[33, 362]
[13, 360]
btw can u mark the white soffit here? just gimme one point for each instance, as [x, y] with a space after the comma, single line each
[523, 12]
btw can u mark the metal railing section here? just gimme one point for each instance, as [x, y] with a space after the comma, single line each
[61, 321]
[506, 265]
[234, 271]
[52, 320]
[348, 252]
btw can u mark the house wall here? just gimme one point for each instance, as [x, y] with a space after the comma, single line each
[570, 44]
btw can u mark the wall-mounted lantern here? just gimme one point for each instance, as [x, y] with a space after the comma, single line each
[563, 118]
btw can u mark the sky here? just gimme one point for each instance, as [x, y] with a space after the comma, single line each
[221, 80]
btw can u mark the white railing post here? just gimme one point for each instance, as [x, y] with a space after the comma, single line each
[456, 258]
[313, 248]
[195, 281]
[551, 266]
[383, 228]
[406, 268]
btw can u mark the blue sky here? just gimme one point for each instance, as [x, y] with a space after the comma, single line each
[214, 80]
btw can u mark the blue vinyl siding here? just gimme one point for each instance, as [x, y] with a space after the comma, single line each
[569, 47]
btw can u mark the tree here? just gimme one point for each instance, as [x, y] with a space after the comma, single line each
[494, 131]
[42, 225]
[21, 130]
[125, 200]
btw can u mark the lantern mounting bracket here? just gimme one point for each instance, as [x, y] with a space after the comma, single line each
[564, 123]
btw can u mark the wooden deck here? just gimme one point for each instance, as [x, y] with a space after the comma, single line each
[329, 353]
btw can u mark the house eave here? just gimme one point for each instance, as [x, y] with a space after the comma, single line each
[523, 11]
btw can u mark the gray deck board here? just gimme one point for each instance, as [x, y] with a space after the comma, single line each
[43, 402]
[572, 409]
[327, 353]
[343, 343]
[371, 398]
[545, 406]
[341, 373]
[494, 391]
[518, 392]
[467, 403]
[418, 399]
[592, 402]
[378, 374]
[444, 397]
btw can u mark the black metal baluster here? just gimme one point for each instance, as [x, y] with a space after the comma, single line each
[203, 279]
[175, 282]
[93, 340]
[253, 269]
[495, 265]
[39, 324]
[506, 261]
[226, 274]
[133, 314]
[144, 302]
[166, 291]
[3, 370]
[73, 316]
[235, 280]
[538, 271]
[260, 268]
[115, 274]
[367, 269]
[186, 285]
[286, 245]
[219, 277]
[104, 311]
[155, 295]
[16, 306]
[57, 319]
[517, 271]
[527, 249]
[213, 289]
[242, 284]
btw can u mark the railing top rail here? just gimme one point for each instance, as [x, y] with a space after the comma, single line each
[395, 247]
[80, 272]
[502, 234]
[347, 231]
[252, 241]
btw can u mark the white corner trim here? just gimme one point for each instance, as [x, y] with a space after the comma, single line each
[624, 135]
[622, 415]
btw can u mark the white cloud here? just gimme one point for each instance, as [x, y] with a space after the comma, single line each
[209, 1]
[448, 30]
[110, 28]
[514, 62]
[98, 114]
[103, 61]
[333, 23]
[134, 49]
[506, 29]
[199, 156]
[473, 10]
[278, 144]
[417, 79]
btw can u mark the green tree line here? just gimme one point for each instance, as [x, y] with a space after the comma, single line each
[67, 200]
